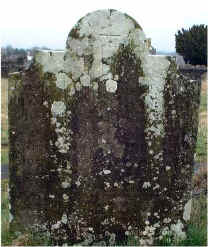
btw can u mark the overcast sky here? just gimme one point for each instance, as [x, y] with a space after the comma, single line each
[27, 23]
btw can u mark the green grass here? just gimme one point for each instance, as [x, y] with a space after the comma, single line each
[197, 228]
[201, 145]
[4, 111]
[4, 156]
[195, 237]
[203, 103]
[8, 237]
[4, 137]
[199, 213]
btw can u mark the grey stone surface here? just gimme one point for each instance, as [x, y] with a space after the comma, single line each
[102, 137]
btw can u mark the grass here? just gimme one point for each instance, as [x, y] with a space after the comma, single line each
[6, 236]
[203, 102]
[4, 111]
[11, 238]
[197, 228]
[194, 238]
[201, 146]
[4, 156]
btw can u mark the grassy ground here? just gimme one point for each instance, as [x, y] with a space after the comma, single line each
[196, 235]
[4, 155]
[9, 238]
[4, 111]
[201, 148]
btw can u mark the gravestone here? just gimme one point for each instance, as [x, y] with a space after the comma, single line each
[102, 138]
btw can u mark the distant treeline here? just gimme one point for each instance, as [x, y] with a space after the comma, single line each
[9, 51]
[15, 59]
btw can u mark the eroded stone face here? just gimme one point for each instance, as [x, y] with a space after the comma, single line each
[115, 137]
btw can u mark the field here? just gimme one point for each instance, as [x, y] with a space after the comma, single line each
[197, 226]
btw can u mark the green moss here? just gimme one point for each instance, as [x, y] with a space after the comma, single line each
[88, 61]
[15, 84]
[74, 33]
[124, 52]
[54, 93]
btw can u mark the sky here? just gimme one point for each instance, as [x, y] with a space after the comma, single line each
[27, 23]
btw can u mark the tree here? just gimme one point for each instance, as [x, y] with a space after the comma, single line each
[192, 44]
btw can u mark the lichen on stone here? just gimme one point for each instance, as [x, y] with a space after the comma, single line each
[63, 80]
[58, 108]
[114, 127]
[111, 86]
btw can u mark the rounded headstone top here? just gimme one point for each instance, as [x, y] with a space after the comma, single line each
[102, 23]
[96, 38]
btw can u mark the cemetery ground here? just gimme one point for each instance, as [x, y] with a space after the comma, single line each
[197, 230]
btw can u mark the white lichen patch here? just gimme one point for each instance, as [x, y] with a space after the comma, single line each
[58, 108]
[64, 218]
[157, 186]
[65, 197]
[11, 217]
[115, 184]
[73, 65]
[63, 142]
[106, 172]
[155, 72]
[106, 76]
[77, 46]
[187, 210]
[78, 86]
[96, 69]
[146, 185]
[65, 184]
[78, 182]
[45, 103]
[166, 220]
[56, 226]
[131, 181]
[111, 86]
[72, 91]
[95, 86]
[107, 185]
[167, 168]
[148, 235]
[177, 230]
[85, 80]
[62, 146]
[62, 80]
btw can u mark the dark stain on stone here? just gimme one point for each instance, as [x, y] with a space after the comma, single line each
[109, 135]
[28, 149]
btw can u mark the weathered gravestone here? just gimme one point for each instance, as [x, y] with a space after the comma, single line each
[102, 138]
